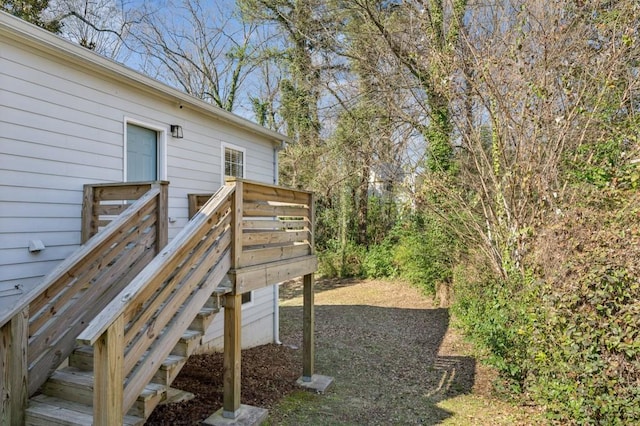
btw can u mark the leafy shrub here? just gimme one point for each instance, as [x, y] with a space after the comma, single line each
[425, 252]
[499, 316]
[605, 163]
[590, 351]
[378, 261]
[570, 339]
[338, 260]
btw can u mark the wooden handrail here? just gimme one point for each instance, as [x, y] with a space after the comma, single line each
[152, 272]
[93, 245]
[81, 285]
[146, 319]
[277, 222]
[107, 200]
[86, 281]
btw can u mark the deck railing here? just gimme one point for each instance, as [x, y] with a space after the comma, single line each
[47, 321]
[244, 224]
[139, 329]
[276, 226]
[103, 202]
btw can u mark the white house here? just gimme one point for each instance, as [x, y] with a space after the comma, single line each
[70, 117]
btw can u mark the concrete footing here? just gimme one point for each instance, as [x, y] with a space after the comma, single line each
[318, 383]
[246, 416]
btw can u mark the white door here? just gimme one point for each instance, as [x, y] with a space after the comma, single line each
[142, 154]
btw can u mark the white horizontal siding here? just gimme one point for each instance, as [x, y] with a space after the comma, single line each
[61, 126]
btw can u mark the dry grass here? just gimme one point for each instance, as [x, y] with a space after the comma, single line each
[394, 358]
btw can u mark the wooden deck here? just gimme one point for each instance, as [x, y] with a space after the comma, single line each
[132, 300]
[273, 234]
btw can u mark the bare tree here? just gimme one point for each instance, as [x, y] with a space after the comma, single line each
[99, 25]
[200, 47]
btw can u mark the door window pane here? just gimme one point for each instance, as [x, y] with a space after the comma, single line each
[142, 154]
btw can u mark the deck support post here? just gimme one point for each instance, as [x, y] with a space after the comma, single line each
[108, 367]
[13, 369]
[309, 380]
[308, 341]
[232, 355]
[162, 215]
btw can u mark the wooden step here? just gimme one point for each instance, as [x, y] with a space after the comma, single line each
[76, 385]
[188, 343]
[82, 359]
[169, 369]
[203, 319]
[45, 410]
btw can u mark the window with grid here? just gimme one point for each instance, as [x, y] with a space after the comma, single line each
[233, 162]
[234, 167]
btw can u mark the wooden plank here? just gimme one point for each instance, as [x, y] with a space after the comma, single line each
[231, 362]
[257, 257]
[83, 274]
[267, 210]
[168, 338]
[13, 369]
[203, 259]
[103, 222]
[121, 192]
[109, 377]
[57, 295]
[308, 340]
[134, 317]
[295, 224]
[266, 224]
[256, 277]
[312, 222]
[162, 209]
[275, 237]
[196, 201]
[110, 209]
[258, 193]
[62, 269]
[164, 309]
[257, 190]
[56, 341]
[89, 226]
[50, 360]
[273, 224]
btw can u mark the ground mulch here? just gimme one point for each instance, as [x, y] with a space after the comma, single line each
[268, 373]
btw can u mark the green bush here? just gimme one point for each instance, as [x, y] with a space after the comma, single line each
[499, 316]
[589, 354]
[424, 253]
[569, 339]
[341, 261]
[378, 261]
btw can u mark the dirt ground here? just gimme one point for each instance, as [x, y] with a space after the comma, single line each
[393, 354]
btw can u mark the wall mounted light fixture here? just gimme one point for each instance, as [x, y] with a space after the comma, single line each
[176, 131]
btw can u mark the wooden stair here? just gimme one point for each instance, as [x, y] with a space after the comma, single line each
[139, 304]
[66, 398]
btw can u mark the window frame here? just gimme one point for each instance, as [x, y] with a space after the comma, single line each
[223, 148]
[161, 131]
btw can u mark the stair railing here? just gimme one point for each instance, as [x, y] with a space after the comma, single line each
[135, 333]
[45, 323]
